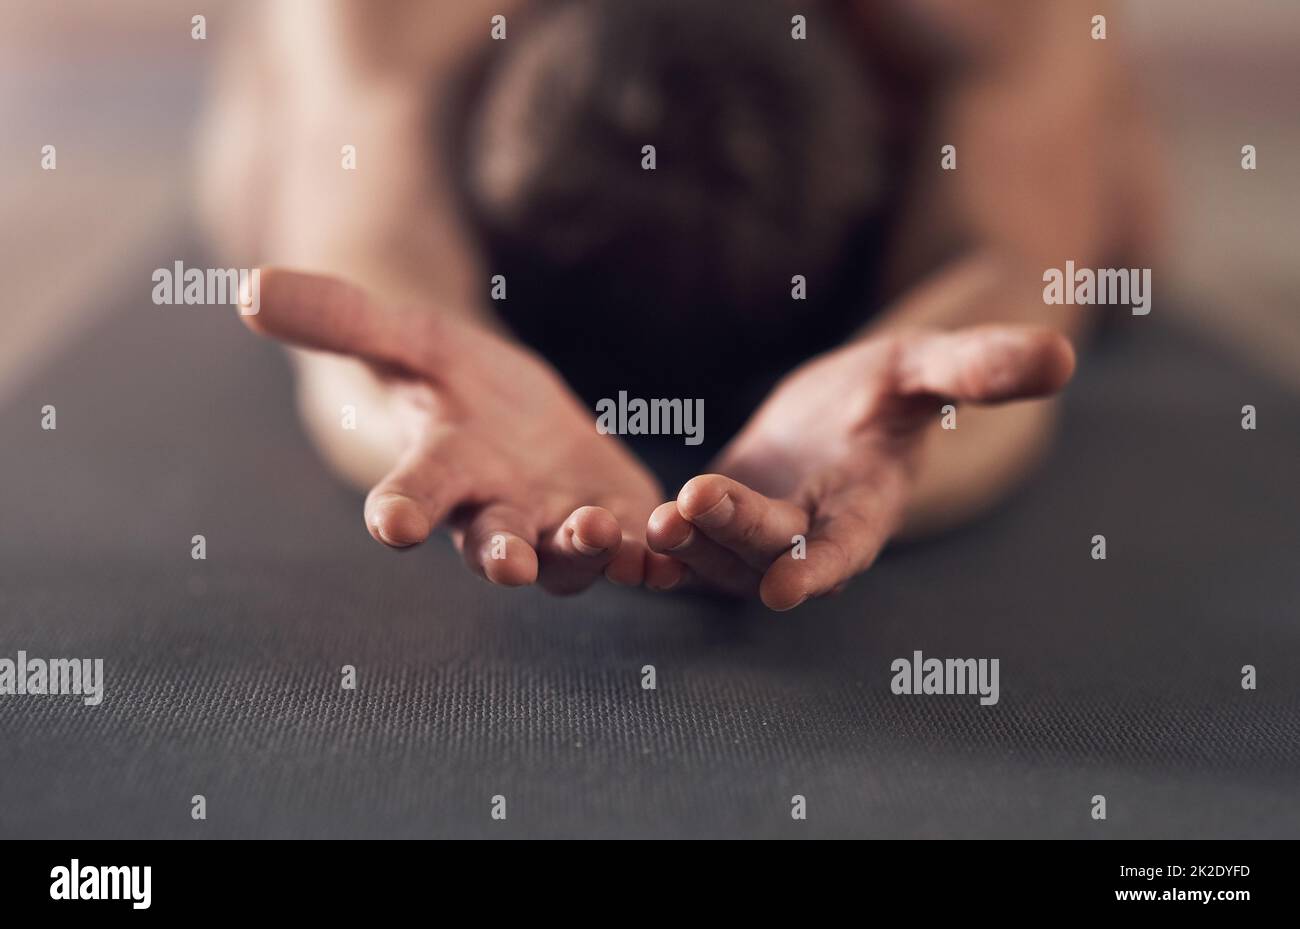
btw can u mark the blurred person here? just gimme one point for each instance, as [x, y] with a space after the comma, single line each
[775, 157]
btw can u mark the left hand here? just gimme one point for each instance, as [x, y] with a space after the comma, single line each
[830, 456]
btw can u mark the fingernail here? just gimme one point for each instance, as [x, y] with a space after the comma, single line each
[717, 515]
[250, 298]
[610, 575]
[398, 543]
[584, 548]
[690, 537]
[398, 525]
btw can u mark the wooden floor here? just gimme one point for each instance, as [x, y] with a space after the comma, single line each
[1223, 74]
[116, 88]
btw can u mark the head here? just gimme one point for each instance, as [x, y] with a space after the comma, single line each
[767, 164]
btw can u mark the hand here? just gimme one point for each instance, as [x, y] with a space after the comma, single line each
[492, 442]
[830, 457]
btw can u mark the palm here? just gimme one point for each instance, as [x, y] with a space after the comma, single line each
[493, 443]
[828, 458]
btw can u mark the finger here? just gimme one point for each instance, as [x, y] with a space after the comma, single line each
[498, 544]
[669, 533]
[664, 573]
[851, 529]
[576, 554]
[410, 502]
[752, 526]
[628, 566]
[327, 314]
[984, 364]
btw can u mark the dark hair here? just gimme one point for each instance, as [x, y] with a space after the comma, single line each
[769, 164]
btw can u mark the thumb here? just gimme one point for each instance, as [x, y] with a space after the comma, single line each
[984, 364]
[328, 314]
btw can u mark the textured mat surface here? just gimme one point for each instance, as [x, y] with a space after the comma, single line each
[1119, 677]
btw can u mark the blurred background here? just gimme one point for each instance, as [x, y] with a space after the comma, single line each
[224, 670]
[120, 87]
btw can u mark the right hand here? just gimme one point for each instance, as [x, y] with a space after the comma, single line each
[494, 444]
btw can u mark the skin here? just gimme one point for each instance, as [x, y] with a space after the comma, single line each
[830, 456]
[510, 463]
[473, 432]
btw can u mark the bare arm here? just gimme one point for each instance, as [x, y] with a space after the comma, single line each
[1054, 163]
[299, 83]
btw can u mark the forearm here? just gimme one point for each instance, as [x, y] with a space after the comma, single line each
[963, 471]
[347, 415]
[967, 471]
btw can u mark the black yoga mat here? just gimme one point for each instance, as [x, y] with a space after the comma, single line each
[1119, 677]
